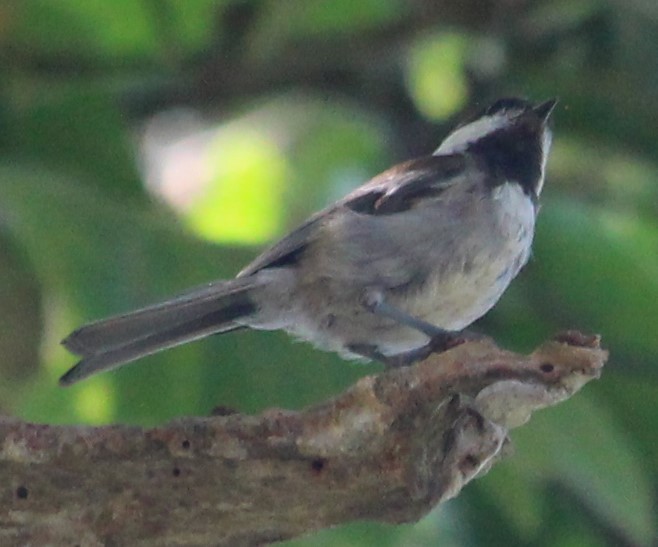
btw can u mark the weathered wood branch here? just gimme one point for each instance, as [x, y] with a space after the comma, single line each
[389, 449]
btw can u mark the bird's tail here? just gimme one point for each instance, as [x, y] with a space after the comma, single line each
[113, 342]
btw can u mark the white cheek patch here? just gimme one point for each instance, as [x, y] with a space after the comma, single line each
[459, 139]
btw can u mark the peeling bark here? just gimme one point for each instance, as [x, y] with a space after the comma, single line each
[388, 449]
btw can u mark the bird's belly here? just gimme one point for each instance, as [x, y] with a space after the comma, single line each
[454, 302]
[451, 302]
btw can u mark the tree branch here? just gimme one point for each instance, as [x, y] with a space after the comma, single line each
[388, 449]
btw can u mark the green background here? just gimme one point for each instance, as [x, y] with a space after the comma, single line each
[147, 146]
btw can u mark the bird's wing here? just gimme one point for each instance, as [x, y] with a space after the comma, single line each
[401, 187]
[396, 190]
[287, 250]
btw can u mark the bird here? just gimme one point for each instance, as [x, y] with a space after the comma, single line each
[392, 272]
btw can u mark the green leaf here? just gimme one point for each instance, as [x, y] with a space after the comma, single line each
[436, 74]
[597, 270]
[243, 201]
[518, 498]
[83, 28]
[77, 128]
[304, 17]
[636, 406]
[580, 445]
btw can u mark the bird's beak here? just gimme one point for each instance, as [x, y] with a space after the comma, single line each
[543, 110]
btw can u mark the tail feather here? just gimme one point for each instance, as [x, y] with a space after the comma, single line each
[121, 329]
[112, 342]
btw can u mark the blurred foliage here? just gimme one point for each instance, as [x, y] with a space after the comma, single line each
[103, 209]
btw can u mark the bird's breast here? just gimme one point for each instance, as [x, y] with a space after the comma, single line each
[492, 247]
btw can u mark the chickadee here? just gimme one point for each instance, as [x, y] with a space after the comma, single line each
[390, 272]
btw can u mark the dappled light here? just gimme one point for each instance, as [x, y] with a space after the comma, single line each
[225, 182]
[150, 147]
[437, 75]
[95, 401]
[243, 202]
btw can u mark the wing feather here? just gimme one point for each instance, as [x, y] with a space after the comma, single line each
[396, 190]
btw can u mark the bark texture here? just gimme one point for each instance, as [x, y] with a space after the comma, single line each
[388, 449]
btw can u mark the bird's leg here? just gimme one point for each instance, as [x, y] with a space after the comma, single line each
[439, 339]
[393, 361]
